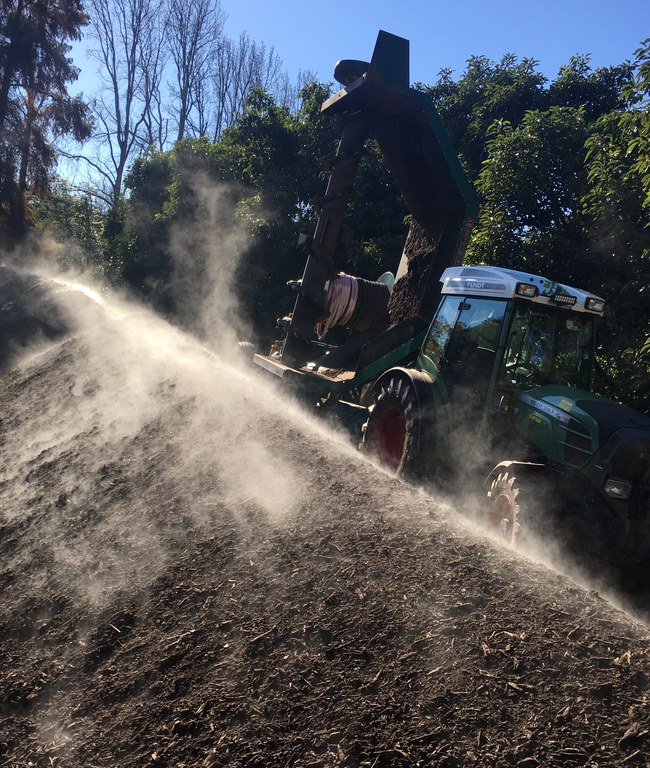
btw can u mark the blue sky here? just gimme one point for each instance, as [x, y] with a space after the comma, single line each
[313, 36]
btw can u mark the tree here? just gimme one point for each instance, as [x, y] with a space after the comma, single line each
[137, 43]
[505, 91]
[194, 37]
[564, 189]
[75, 222]
[635, 122]
[486, 92]
[563, 195]
[618, 205]
[599, 91]
[153, 58]
[261, 154]
[124, 31]
[260, 172]
[239, 67]
[35, 108]
[532, 184]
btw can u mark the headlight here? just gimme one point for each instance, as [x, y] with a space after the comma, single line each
[618, 489]
[595, 305]
[527, 290]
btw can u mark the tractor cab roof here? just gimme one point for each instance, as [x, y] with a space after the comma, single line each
[498, 282]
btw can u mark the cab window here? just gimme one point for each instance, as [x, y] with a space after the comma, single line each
[462, 341]
[441, 328]
[548, 346]
[471, 350]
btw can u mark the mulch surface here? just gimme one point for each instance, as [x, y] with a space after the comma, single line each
[193, 574]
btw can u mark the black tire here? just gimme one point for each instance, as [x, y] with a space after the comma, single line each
[504, 517]
[398, 431]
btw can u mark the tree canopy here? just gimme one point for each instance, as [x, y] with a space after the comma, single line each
[564, 192]
[562, 167]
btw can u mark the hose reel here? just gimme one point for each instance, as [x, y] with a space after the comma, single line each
[355, 303]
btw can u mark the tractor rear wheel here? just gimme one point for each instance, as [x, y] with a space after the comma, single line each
[394, 433]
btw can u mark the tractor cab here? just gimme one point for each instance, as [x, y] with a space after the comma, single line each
[499, 332]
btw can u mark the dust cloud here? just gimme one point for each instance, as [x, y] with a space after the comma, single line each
[205, 249]
[127, 422]
[155, 496]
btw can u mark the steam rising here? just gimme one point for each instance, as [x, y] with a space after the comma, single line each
[126, 437]
[122, 377]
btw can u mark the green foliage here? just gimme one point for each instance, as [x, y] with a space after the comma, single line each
[118, 243]
[506, 91]
[35, 107]
[563, 171]
[163, 189]
[598, 92]
[376, 216]
[258, 173]
[276, 162]
[267, 167]
[617, 203]
[531, 186]
[635, 123]
[263, 150]
[75, 221]
[316, 137]
[486, 92]
[564, 195]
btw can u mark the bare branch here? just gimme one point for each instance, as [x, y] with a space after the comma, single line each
[130, 54]
[194, 35]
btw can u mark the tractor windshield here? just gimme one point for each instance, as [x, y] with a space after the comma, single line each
[548, 346]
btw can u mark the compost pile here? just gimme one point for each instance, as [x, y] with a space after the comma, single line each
[194, 574]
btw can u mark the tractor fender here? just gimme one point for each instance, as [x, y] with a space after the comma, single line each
[422, 385]
[520, 468]
[435, 418]
[424, 388]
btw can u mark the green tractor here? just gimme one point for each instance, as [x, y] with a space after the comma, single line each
[501, 383]
[460, 375]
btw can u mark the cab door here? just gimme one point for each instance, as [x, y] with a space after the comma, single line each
[462, 344]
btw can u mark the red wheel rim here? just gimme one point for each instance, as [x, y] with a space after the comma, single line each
[388, 438]
[501, 519]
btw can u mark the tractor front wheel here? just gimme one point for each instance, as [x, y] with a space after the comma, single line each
[505, 512]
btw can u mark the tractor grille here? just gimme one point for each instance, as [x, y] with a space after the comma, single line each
[577, 443]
